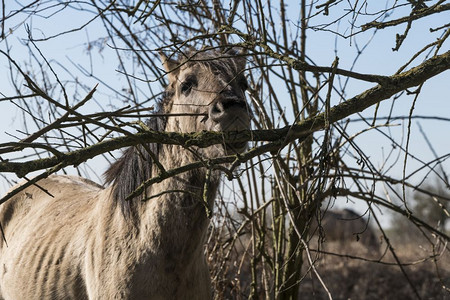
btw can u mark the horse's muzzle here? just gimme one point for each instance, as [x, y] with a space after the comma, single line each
[230, 114]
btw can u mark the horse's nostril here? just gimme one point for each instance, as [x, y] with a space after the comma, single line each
[233, 102]
[225, 109]
[217, 108]
[222, 106]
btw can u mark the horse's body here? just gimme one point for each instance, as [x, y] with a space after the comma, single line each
[77, 245]
[69, 238]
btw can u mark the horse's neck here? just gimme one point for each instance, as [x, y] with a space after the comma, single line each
[163, 247]
[175, 215]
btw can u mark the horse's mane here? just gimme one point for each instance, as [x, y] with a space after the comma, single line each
[135, 165]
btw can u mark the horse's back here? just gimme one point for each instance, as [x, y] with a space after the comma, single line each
[44, 229]
[43, 194]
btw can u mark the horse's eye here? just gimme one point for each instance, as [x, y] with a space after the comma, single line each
[187, 85]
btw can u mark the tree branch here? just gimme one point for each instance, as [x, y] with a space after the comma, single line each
[417, 14]
[288, 134]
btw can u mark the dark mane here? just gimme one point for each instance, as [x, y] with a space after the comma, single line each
[135, 165]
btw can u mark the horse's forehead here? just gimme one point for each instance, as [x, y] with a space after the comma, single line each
[224, 67]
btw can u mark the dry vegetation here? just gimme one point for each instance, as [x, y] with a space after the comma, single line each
[349, 270]
[349, 278]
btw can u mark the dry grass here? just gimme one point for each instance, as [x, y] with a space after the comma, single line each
[349, 278]
[349, 269]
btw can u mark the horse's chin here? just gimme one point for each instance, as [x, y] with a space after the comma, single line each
[238, 121]
[235, 148]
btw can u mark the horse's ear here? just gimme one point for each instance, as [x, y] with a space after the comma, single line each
[171, 66]
[241, 58]
[242, 51]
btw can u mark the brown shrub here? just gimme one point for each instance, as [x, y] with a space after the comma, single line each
[349, 278]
